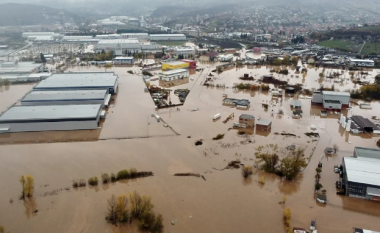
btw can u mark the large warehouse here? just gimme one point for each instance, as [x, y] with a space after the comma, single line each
[18, 68]
[139, 36]
[158, 37]
[361, 177]
[80, 81]
[67, 97]
[121, 46]
[50, 118]
[331, 100]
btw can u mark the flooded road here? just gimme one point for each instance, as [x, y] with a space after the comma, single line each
[225, 202]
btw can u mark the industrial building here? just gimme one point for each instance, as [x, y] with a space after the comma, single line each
[358, 124]
[70, 97]
[158, 37]
[50, 118]
[360, 62]
[80, 81]
[185, 52]
[27, 34]
[359, 230]
[123, 60]
[331, 100]
[173, 74]
[18, 68]
[35, 77]
[226, 58]
[192, 63]
[121, 46]
[360, 174]
[79, 39]
[239, 103]
[296, 104]
[139, 36]
[172, 65]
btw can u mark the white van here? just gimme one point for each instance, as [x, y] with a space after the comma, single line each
[217, 116]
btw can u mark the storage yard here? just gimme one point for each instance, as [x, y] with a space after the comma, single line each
[132, 136]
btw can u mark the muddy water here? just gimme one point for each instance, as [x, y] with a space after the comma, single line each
[223, 203]
[11, 94]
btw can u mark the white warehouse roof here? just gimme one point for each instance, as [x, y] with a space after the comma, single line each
[176, 71]
[336, 93]
[65, 95]
[55, 112]
[363, 170]
[169, 35]
[119, 41]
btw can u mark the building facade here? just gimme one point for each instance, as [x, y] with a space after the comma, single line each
[165, 37]
[247, 120]
[175, 65]
[123, 60]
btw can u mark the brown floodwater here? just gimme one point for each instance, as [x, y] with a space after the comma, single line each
[225, 202]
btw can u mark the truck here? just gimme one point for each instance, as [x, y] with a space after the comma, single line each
[216, 116]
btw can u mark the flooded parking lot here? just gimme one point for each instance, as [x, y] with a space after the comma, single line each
[224, 202]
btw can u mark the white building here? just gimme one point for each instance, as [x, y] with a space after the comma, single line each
[109, 22]
[27, 34]
[360, 62]
[158, 37]
[123, 60]
[121, 46]
[185, 52]
[226, 58]
[173, 74]
[139, 36]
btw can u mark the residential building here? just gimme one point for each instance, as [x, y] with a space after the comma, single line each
[247, 119]
[263, 125]
[296, 104]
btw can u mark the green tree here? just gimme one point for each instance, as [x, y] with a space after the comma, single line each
[318, 186]
[27, 184]
[292, 164]
[285, 60]
[277, 62]
[269, 161]
[294, 60]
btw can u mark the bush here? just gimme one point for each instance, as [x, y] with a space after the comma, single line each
[247, 171]
[123, 174]
[287, 217]
[27, 184]
[113, 177]
[79, 183]
[105, 178]
[286, 72]
[132, 173]
[318, 170]
[218, 137]
[152, 222]
[262, 180]
[264, 87]
[318, 186]
[93, 181]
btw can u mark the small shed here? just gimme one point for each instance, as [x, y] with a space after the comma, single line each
[247, 119]
[264, 125]
[296, 104]
[299, 230]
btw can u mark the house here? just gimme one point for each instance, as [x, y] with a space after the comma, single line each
[296, 104]
[247, 119]
[264, 125]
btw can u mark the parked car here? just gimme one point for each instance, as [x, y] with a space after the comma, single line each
[329, 151]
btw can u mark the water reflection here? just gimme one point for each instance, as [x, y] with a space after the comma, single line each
[30, 205]
[289, 187]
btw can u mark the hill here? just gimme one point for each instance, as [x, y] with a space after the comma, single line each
[15, 14]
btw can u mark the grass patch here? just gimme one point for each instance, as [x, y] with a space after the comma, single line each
[340, 44]
[371, 48]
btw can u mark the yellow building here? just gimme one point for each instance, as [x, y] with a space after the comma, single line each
[173, 65]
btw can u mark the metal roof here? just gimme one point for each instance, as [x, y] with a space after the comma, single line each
[247, 116]
[363, 122]
[160, 35]
[263, 122]
[80, 80]
[123, 58]
[119, 41]
[65, 95]
[52, 112]
[336, 93]
[367, 153]
[20, 67]
[373, 191]
[363, 170]
[296, 103]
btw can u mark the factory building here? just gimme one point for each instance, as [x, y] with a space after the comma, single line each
[121, 46]
[192, 63]
[186, 52]
[79, 39]
[80, 81]
[27, 34]
[18, 68]
[360, 174]
[50, 118]
[123, 60]
[331, 100]
[175, 65]
[173, 77]
[360, 62]
[165, 37]
[139, 36]
[69, 97]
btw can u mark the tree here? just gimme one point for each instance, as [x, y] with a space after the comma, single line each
[277, 62]
[285, 60]
[318, 186]
[23, 192]
[269, 161]
[318, 170]
[247, 171]
[122, 208]
[292, 164]
[294, 60]
[112, 213]
[139, 204]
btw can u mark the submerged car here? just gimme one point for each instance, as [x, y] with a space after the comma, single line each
[329, 150]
